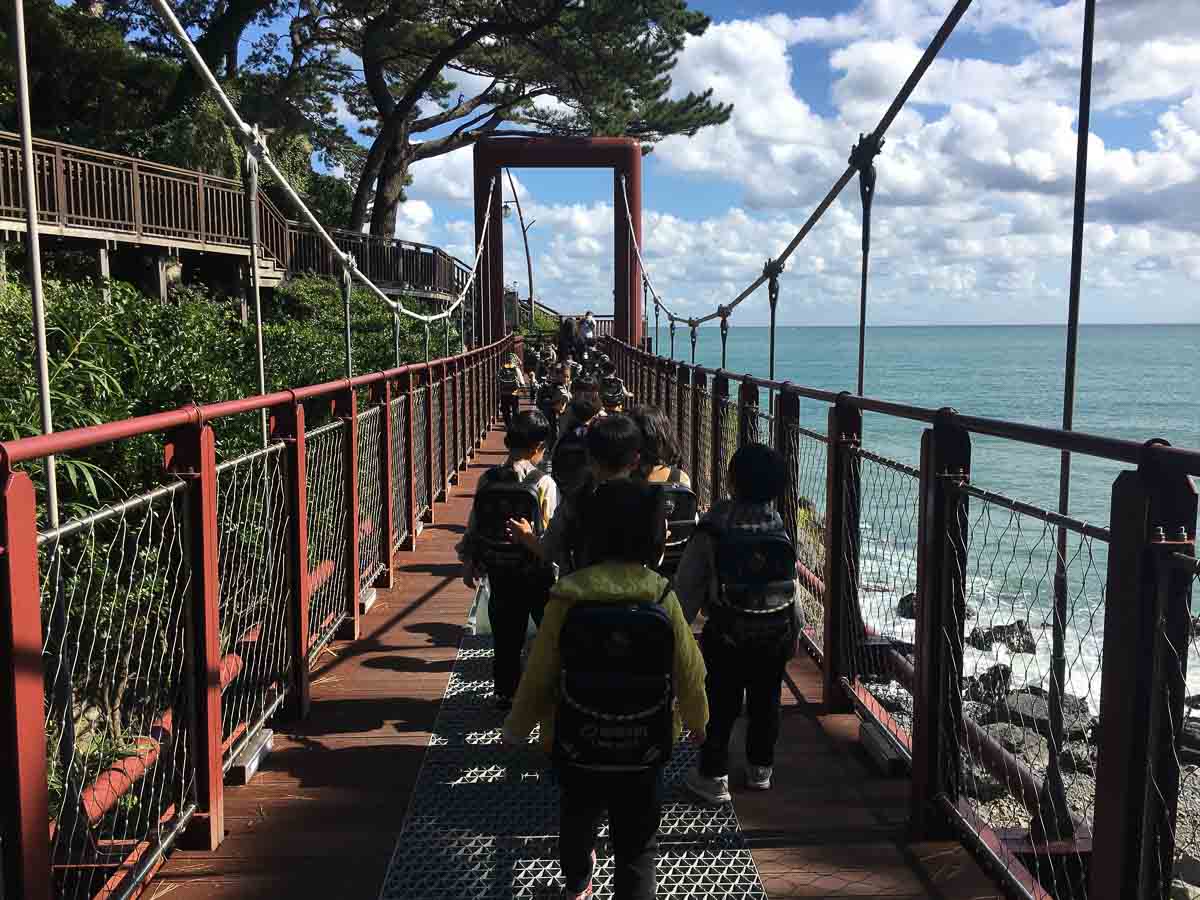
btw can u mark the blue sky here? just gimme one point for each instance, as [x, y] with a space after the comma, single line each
[973, 205]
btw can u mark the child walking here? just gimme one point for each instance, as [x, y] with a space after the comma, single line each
[613, 654]
[740, 568]
[518, 580]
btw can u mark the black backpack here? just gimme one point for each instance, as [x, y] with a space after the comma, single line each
[547, 395]
[612, 393]
[754, 607]
[570, 462]
[502, 496]
[507, 378]
[681, 506]
[616, 695]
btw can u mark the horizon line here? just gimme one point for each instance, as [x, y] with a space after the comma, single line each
[956, 325]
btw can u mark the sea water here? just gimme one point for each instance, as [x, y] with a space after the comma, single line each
[1133, 381]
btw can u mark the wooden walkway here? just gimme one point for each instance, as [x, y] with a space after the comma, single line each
[321, 818]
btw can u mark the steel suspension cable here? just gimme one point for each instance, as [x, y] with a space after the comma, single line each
[248, 135]
[910, 85]
[1055, 819]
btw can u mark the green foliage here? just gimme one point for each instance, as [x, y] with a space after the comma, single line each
[130, 355]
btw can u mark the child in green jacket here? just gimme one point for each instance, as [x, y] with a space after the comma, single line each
[620, 545]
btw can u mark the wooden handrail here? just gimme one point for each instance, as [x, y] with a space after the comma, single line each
[84, 192]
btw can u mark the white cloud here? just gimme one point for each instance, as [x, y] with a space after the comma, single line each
[974, 201]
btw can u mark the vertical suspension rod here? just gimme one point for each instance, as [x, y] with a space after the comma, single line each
[33, 253]
[1055, 811]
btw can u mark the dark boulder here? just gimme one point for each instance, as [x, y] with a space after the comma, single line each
[991, 687]
[1078, 757]
[1016, 636]
[1189, 741]
[1030, 708]
[1023, 743]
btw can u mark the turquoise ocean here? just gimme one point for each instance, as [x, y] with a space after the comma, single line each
[1133, 381]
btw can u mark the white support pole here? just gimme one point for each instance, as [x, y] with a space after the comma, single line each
[33, 251]
[250, 192]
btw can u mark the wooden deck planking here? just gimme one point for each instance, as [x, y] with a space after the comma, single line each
[322, 817]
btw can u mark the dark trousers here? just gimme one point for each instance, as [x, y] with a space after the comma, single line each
[733, 674]
[633, 801]
[510, 404]
[512, 601]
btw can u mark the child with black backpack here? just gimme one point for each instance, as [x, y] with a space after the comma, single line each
[612, 673]
[569, 464]
[740, 567]
[518, 580]
[510, 382]
[613, 447]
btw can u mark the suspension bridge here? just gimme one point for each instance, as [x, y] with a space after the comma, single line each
[260, 675]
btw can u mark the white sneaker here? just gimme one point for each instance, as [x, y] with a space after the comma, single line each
[711, 790]
[758, 778]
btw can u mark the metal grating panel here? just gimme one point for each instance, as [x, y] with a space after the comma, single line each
[483, 819]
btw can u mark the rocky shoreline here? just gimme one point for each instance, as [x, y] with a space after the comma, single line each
[1016, 719]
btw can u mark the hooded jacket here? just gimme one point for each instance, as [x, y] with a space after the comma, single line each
[613, 582]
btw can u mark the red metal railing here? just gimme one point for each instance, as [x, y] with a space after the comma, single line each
[152, 639]
[104, 196]
[912, 575]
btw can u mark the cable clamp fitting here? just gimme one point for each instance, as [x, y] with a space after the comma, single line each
[862, 154]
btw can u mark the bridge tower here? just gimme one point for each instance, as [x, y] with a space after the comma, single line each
[623, 156]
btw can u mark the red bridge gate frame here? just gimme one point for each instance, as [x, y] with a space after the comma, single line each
[623, 156]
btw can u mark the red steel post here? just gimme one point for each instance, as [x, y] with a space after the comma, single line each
[842, 485]
[787, 419]
[1128, 821]
[345, 407]
[24, 794]
[747, 414]
[381, 393]
[190, 453]
[287, 425]
[941, 610]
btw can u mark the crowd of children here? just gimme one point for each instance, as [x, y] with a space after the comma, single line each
[606, 555]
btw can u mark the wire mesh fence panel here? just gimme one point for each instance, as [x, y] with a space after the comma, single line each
[882, 615]
[253, 593]
[400, 469]
[702, 463]
[1175, 845]
[765, 426]
[371, 492]
[115, 588]
[808, 449]
[459, 419]
[435, 453]
[729, 441]
[1011, 764]
[326, 463]
[684, 415]
[420, 463]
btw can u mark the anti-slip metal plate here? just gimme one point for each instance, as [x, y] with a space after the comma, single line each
[483, 819]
